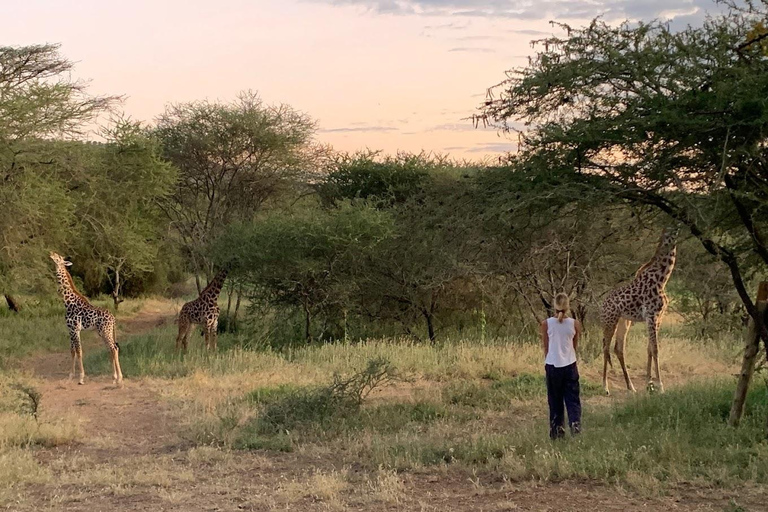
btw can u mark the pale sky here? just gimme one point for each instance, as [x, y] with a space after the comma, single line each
[379, 74]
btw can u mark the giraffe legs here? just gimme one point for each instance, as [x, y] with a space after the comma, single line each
[609, 329]
[80, 361]
[210, 338]
[213, 329]
[73, 351]
[653, 352]
[76, 350]
[618, 349]
[117, 374]
[107, 333]
[185, 327]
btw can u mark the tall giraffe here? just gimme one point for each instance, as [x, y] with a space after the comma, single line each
[642, 300]
[80, 314]
[204, 311]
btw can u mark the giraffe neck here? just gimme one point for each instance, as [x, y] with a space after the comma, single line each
[660, 267]
[213, 289]
[67, 288]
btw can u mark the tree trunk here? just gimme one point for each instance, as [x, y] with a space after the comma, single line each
[197, 282]
[13, 304]
[237, 308]
[580, 313]
[230, 292]
[116, 289]
[307, 323]
[430, 325]
[483, 322]
[548, 308]
[751, 349]
[346, 336]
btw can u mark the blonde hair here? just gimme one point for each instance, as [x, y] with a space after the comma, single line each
[562, 306]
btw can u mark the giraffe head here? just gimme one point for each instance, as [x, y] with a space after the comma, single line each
[59, 260]
[668, 239]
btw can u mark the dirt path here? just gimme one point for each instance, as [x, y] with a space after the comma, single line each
[133, 414]
[131, 458]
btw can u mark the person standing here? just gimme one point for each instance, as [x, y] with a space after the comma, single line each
[560, 339]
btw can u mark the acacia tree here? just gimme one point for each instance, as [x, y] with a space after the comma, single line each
[117, 204]
[304, 261]
[38, 101]
[411, 277]
[675, 121]
[704, 293]
[232, 159]
[671, 120]
[540, 242]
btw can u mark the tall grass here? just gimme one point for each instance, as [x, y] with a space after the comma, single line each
[40, 327]
[487, 409]
[153, 355]
[647, 441]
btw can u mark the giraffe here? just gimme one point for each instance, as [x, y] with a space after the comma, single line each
[642, 300]
[80, 314]
[204, 311]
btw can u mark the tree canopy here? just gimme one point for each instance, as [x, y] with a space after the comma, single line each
[39, 102]
[641, 113]
[232, 159]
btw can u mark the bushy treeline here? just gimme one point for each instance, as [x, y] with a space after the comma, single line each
[343, 246]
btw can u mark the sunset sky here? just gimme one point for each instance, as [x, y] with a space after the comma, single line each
[383, 74]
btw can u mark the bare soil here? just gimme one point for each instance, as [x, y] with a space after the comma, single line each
[131, 458]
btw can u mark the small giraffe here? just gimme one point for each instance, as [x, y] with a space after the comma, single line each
[204, 311]
[80, 314]
[642, 300]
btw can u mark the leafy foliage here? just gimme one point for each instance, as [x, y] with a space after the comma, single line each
[669, 120]
[384, 181]
[232, 159]
[118, 190]
[303, 260]
[38, 101]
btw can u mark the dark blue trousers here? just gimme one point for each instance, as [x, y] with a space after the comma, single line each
[563, 390]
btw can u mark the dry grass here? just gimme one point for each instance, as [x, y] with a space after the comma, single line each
[327, 487]
[18, 468]
[24, 423]
[23, 430]
[214, 389]
[142, 471]
[386, 486]
[413, 428]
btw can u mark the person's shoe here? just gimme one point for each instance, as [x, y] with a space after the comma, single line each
[557, 432]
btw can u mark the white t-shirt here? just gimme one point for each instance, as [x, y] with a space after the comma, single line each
[561, 352]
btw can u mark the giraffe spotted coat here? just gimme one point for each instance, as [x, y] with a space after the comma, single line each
[203, 311]
[642, 300]
[81, 314]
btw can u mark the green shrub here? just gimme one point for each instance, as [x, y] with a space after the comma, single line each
[323, 406]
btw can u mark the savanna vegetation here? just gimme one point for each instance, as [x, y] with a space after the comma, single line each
[379, 321]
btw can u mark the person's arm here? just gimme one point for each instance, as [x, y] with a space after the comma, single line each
[576, 336]
[544, 338]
